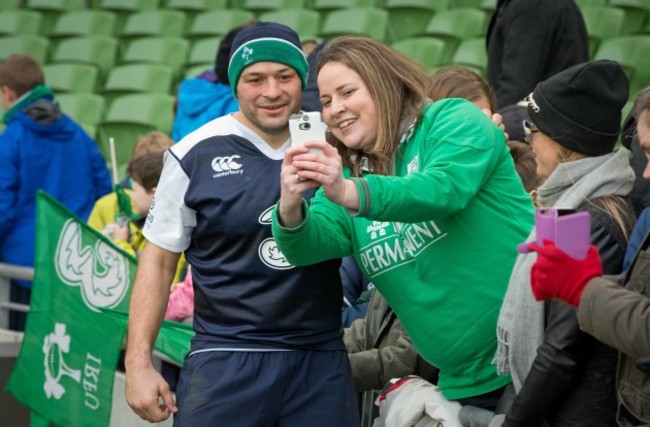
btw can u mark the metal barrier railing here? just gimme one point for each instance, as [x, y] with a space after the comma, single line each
[8, 272]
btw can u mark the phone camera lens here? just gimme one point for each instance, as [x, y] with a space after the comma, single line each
[304, 126]
[305, 118]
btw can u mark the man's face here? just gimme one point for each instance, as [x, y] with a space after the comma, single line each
[268, 93]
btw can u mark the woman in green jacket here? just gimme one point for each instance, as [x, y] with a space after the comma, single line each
[424, 195]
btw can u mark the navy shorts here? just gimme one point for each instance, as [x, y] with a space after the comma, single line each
[280, 389]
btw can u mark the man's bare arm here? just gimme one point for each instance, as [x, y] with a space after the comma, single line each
[156, 269]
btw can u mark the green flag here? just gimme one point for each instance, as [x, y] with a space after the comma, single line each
[173, 339]
[67, 360]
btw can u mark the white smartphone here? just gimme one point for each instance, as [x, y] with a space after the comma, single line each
[307, 126]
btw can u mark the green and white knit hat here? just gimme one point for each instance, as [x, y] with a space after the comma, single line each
[266, 41]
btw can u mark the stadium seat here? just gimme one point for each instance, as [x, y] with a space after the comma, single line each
[260, 6]
[217, 23]
[84, 108]
[637, 12]
[153, 23]
[587, 3]
[99, 50]
[633, 53]
[52, 9]
[472, 54]
[84, 23]
[329, 5]
[425, 50]
[123, 8]
[408, 18]
[29, 44]
[488, 5]
[65, 78]
[603, 22]
[198, 69]
[170, 51]
[9, 4]
[13, 22]
[304, 21]
[131, 116]
[138, 78]
[371, 22]
[191, 8]
[203, 51]
[455, 25]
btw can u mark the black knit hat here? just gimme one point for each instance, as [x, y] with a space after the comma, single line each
[580, 107]
[266, 41]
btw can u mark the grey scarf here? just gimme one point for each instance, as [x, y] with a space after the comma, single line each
[520, 327]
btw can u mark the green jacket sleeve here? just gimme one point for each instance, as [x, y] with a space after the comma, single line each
[324, 234]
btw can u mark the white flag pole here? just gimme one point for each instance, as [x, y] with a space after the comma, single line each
[111, 146]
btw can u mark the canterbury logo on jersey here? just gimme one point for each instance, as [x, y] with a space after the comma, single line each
[226, 165]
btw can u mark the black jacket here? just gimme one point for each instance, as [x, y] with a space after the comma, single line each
[572, 380]
[528, 41]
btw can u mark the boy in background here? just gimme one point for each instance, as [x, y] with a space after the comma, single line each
[40, 149]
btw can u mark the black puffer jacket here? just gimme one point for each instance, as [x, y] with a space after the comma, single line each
[572, 380]
[529, 41]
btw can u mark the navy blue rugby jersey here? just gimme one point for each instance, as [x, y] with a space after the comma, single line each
[214, 201]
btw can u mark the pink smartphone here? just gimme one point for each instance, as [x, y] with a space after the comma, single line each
[568, 229]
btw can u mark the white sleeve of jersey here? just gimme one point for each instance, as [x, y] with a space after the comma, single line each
[170, 223]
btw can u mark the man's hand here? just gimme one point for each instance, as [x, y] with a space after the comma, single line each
[557, 275]
[148, 394]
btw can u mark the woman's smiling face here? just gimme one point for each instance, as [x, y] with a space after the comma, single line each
[348, 107]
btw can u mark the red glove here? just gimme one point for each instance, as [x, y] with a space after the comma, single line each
[557, 275]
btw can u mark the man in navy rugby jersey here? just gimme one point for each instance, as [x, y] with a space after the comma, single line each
[268, 348]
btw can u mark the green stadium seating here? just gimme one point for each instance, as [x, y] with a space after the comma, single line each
[197, 5]
[425, 50]
[455, 25]
[138, 78]
[329, 5]
[84, 108]
[304, 21]
[371, 22]
[98, 50]
[153, 23]
[52, 9]
[191, 8]
[636, 14]
[217, 23]
[29, 44]
[476, 4]
[9, 4]
[203, 51]
[488, 5]
[198, 69]
[633, 53]
[65, 78]
[408, 18]
[131, 116]
[123, 8]
[603, 22]
[260, 6]
[84, 23]
[170, 51]
[587, 3]
[14, 22]
[472, 54]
